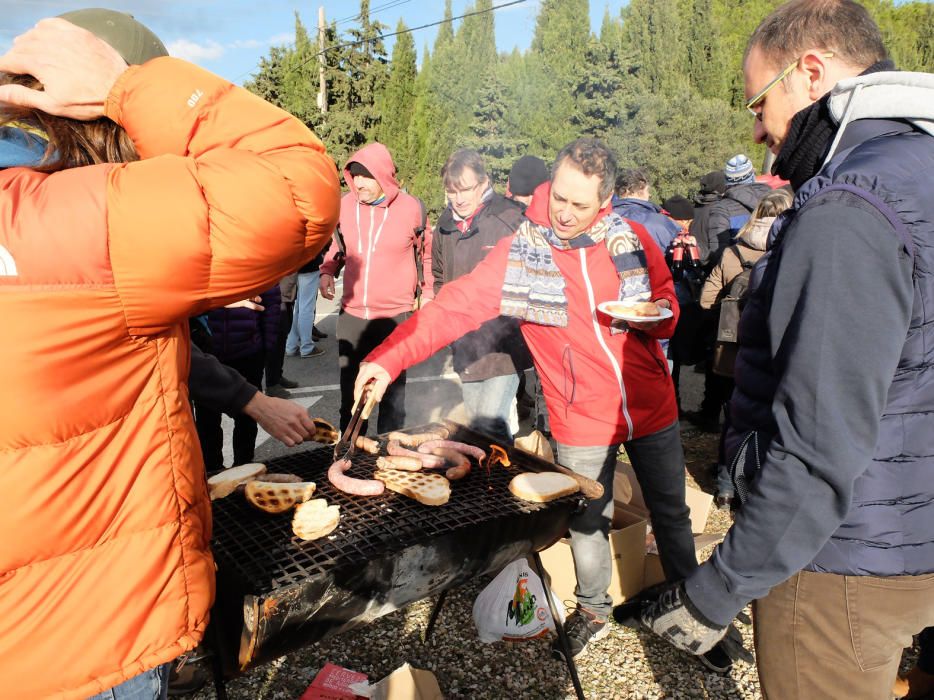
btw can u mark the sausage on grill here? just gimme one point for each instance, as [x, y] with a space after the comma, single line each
[461, 447]
[428, 461]
[351, 485]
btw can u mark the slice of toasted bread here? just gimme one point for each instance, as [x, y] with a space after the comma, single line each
[278, 497]
[225, 483]
[430, 489]
[543, 486]
[315, 518]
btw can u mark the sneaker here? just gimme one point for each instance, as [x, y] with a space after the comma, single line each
[581, 628]
[277, 390]
[287, 383]
[190, 679]
[317, 335]
[717, 660]
[317, 352]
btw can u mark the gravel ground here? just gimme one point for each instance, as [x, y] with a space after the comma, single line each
[626, 664]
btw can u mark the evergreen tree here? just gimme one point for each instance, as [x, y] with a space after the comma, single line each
[397, 100]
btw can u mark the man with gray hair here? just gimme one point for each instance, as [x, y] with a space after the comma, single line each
[831, 444]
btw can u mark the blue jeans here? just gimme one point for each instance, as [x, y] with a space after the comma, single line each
[491, 405]
[658, 461]
[151, 685]
[303, 320]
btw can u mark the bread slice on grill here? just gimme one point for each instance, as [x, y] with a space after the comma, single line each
[542, 487]
[225, 483]
[430, 489]
[314, 519]
[278, 497]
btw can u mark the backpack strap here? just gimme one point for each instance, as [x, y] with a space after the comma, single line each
[420, 249]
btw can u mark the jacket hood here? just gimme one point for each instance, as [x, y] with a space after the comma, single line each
[885, 95]
[537, 211]
[757, 234]
[748, 195]
[376, 158]
[632, 202]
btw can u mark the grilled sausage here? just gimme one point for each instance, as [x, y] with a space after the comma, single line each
[406, 464]
[461, 447]
[460, 465]
[348, 484]
[428, 461]
[414, 439]
[368, 445]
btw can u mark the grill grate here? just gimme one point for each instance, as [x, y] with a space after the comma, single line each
[260, 549]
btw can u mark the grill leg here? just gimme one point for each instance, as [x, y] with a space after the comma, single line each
[434, 615]
[559, 628]
[217, 669]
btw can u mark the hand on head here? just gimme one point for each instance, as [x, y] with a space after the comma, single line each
[76, 69]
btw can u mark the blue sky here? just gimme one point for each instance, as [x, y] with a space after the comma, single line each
[229, 36]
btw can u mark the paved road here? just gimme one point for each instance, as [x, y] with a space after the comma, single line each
[433, 390]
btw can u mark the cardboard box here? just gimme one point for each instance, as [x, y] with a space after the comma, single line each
[407, 683]
[653, 564]
[333, 683]
[627, 549]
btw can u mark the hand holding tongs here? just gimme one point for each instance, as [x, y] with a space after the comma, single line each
[361, 411]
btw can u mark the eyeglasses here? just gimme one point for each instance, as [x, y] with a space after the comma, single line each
[462, 190]
[755, 102]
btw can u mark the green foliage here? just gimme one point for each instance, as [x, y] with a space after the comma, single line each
[662, 84]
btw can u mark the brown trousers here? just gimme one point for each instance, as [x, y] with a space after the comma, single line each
[832, 636]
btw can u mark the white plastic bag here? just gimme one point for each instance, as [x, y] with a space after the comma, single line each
[513, 606]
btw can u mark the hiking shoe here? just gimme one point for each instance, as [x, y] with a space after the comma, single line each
[287, 383]
[317, 352]
[717, 660]
[277, 390]
[581, 628]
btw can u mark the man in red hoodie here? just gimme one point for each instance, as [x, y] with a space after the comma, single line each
[606, 384]
[382, 231]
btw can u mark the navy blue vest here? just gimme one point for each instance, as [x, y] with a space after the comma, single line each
[889, 529]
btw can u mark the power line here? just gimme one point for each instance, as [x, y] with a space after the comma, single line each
[404, 31]
[374, 10]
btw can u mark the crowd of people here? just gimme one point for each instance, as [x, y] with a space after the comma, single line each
[165, 236]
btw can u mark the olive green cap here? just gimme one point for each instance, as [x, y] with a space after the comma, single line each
[132, 40]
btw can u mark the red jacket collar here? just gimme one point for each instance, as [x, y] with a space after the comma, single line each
[537, 211]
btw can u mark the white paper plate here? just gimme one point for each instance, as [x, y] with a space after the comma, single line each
[607, 308]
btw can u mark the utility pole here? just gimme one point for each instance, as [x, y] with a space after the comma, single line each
[322, 82]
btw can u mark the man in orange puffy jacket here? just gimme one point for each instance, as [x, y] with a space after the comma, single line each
[164, 191]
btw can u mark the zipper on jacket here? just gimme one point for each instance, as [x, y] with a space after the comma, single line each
[568, 355]
[370, 247]
[596, 328]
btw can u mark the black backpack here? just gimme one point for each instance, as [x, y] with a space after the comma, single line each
[731, 306]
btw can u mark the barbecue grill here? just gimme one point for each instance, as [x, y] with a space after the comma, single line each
[276, 593]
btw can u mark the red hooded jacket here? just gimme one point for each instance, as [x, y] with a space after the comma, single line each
[380, 277]
[601, 389]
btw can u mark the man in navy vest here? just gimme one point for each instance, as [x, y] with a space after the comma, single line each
[832, 435]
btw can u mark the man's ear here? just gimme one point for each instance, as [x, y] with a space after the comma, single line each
[606, 202]
[814, 65]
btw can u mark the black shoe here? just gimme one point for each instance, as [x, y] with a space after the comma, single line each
[724, 501]
[581, 628]
[717, 660]
[317, 352]
[287, 383]
[189, 680]
[277, 390]
[627, 614]
[317, 335]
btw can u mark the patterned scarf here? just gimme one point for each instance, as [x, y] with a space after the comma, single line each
[534, 289]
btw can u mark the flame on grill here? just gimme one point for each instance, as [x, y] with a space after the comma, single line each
[498, 456]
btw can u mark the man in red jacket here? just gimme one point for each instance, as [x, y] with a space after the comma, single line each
[606, 383]
[384, 239]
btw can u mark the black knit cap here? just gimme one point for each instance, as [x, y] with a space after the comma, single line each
[713, 182]
[527, 173]
[679, 207]
[355, 168]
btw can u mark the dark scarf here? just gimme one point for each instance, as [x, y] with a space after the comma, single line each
[809, 136]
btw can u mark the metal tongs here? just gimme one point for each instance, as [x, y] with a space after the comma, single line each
[362, 409]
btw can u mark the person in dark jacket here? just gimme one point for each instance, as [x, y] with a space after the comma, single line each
[241, 334]
[277, 384]
[831, 443]
[631, 201]
[488, 360]
[526, 174]
[712, 189]
[728, 216]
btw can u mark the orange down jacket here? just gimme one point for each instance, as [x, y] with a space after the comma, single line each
[105, 566]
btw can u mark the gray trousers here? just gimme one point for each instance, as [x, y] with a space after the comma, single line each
[658, 461]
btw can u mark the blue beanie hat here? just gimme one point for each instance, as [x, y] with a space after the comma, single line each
[739, 171]
[20, 147]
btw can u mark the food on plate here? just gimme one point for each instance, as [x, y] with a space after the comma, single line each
[430, 489]
[428, 461]
[461, 447]
[226, 482]
[314, 519]
[408, 464]
[646, 309]
[278, 497]
[367, 444]
[459, 464]
[325, 433]
[541, 487]
[351, 485]
[416, 439]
